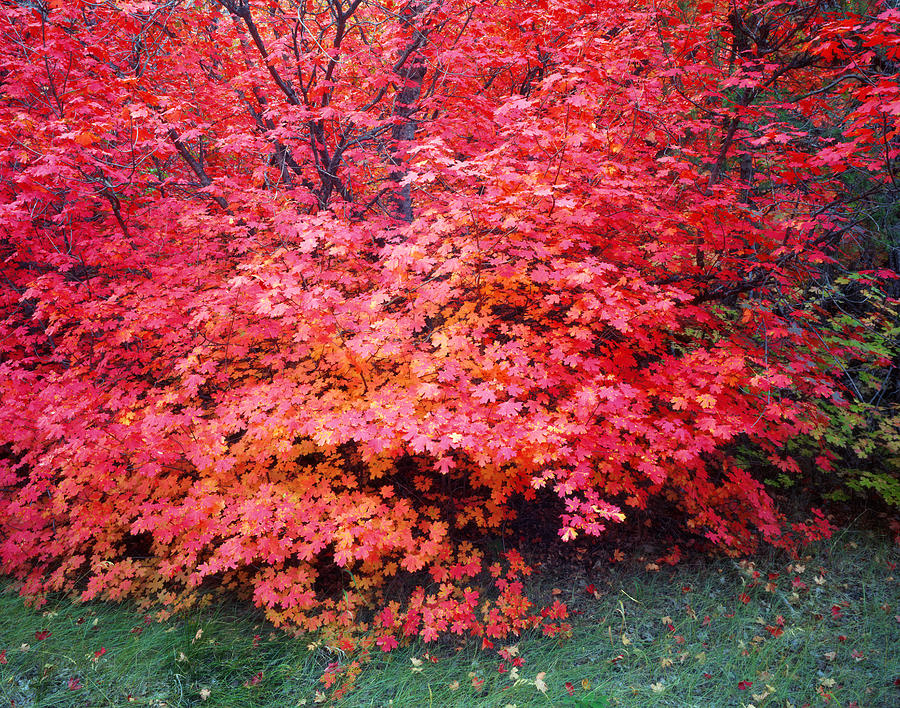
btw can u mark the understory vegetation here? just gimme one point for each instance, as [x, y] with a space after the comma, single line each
[821, 630]
[358, 312]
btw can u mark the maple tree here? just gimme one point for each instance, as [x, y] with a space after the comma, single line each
[295, 286]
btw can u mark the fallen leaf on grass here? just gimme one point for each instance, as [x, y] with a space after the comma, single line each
[764, 695]
[257, 677]
[205, 693]
[539, 683]
[657, 687]
[454, 686]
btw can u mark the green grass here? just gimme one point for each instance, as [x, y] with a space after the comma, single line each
[692, 635]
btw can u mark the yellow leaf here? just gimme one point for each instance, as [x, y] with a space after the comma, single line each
[585, 684]
[539, 682]
[454, 686]
[625, 640]
[657, 687]
[705, 400]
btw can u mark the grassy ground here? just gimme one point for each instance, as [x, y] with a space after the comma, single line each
[821, 631]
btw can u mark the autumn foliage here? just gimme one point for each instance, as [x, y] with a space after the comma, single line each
[299, 296]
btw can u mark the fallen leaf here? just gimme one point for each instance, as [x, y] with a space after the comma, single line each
[256, 678]
[539, 683]
[454, 686]
[657, 687]
[205, 693]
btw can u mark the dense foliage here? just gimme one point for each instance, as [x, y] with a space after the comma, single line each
[306, 295]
